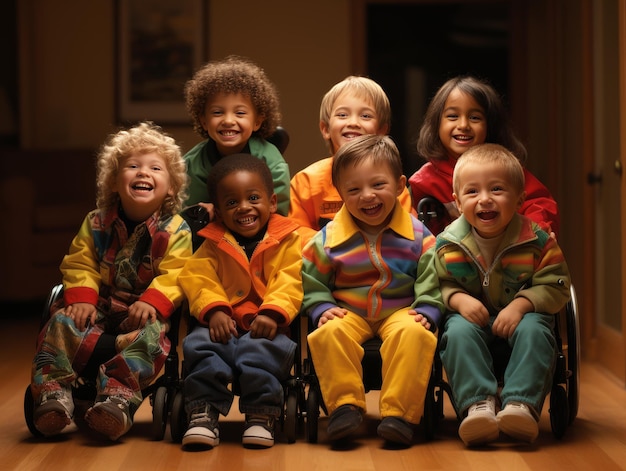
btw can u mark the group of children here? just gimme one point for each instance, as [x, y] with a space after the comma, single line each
[339, 242]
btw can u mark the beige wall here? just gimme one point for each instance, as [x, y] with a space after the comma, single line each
[68, 63]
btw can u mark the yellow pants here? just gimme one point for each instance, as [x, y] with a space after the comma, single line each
[407, 354]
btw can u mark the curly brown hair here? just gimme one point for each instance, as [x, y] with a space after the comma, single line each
[143, 138]
[233, 75]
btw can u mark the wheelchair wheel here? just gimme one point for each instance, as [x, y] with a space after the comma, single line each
[159, 413]
[429, 419]
[312, 414]
[573, 355]
[559, 411]
[291, 415]
[29, 412]
[178, 418]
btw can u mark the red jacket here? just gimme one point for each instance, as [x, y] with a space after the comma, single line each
[435, 179]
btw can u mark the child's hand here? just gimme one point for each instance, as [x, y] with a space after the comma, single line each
[508, 318]
[83, 314]
[263, 327]
[221, 327]
[330, 314]
[139, 313]
[470, 308]
[420, 318]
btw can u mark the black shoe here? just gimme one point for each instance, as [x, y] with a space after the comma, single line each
[343, 421]
[396, 430]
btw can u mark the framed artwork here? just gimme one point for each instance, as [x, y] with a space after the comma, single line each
[159, 46]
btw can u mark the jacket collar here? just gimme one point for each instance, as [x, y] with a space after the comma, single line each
[278, 227]
[344, 227]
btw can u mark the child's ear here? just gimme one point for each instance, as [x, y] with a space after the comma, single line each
[257, 123]
[457, 202]
[383, 130]
[273, 203]
[401, 185]
[324, 130]
[521, 200]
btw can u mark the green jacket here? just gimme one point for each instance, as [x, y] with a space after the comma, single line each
[201, 158]
[527, 263]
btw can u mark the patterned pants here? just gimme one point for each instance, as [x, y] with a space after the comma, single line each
[63, 352]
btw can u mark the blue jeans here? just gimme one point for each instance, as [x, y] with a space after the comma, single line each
[256, 367]
[467, 361]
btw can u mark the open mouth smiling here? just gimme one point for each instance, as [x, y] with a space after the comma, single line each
[142, 187]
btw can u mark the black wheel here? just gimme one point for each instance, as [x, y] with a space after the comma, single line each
[559, 411]
[291, 415]
[312, 414]
[573, 356]
[178, 418]
[29, 411]
[159, 413]
[429, 419]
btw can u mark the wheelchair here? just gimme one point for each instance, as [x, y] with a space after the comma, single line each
[161, 392]
[564, 395]
[293, 404]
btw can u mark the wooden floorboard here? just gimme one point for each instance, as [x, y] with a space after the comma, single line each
[595, 441]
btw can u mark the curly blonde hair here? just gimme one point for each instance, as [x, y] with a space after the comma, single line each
[233, 75]
[143, 138]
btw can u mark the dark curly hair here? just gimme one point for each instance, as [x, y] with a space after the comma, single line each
[238, 163]
[233, 75]
[499, 129]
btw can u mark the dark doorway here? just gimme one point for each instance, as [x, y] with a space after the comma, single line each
[412, 49]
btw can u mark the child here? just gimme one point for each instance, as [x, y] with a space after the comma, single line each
[362, 277]
[501, 277]
[244, 286]
[119, 278]
[352, 107]
[235, 107]
[464, 112]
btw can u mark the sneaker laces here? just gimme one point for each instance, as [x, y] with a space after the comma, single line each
[486, 405]
[264, 420]
[62, 396]
[203, 415]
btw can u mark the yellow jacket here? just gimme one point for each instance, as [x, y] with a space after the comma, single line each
[219, 275]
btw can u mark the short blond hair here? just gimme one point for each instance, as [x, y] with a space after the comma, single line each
[143, 138]
[363, 88]
[490, 154]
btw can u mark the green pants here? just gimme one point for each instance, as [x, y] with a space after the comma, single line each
[468, 362]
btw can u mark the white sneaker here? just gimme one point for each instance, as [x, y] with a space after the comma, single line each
[519, 421]
[54, 411]
[480, 426]
[203, 431]
[259, 431]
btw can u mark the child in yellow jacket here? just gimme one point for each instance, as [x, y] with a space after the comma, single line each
[119, 279]
[244, 287]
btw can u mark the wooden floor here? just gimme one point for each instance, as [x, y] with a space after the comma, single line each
[595, 441]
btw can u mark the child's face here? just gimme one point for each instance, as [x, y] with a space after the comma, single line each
[370, 193]
[243, 204]
[230, 120]
[487, 198]
[463, 124]
[143, 182]
[350, 117]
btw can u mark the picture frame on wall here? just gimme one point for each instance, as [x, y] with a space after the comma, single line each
[159, 46]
